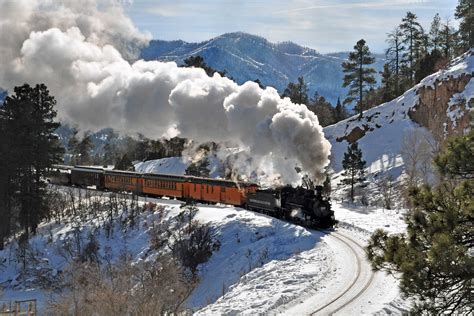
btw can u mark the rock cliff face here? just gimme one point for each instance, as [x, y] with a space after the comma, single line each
[441, 105]
[437, 104]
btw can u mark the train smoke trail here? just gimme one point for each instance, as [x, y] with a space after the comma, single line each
[85, 52]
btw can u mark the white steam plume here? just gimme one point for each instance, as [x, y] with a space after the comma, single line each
[85, 56]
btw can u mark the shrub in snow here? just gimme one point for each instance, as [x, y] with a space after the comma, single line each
[154, 287]
[189, 241]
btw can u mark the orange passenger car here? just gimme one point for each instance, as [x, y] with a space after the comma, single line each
[217, 191]
[123, 181]
[163, 185]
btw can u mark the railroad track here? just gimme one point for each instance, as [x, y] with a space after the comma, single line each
[350, 292]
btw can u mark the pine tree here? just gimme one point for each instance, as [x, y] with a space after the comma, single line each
[447, 39]
[358, 77]
[435, 30]
[199, 168]
[412, 40]
[29, 126]
[125, 164]
[323, 110]
[82, 151]
[353, 165]
[340, 112]
[111, 154]
[434, 256]
[465, 13]
[198, 62]
[297, 92]
[394, 57]
[7, 186]
[456, 161]
[387, 88]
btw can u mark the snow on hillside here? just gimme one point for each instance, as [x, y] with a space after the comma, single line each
[248, 57]
[381, 130]
[177, 166]
[248, 241]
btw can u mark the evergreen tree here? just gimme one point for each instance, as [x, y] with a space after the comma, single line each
[82, 151]
[358, 77]
[387, 89]
[447, 39]
[434, 256]
[198, 62]
[125, 164]
[394, 55]
[427, 65]
[7, 186]
[199, 168]
[28, 121]
[353, 165]
[465, 13]
[412, 40]
[111, 154]
[435, 30]
[323, 110]
[340, 112]
[457, 160]
[297, 92]
[373, 97]
[260, 84]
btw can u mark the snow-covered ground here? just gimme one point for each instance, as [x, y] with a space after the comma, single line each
[177, 166]
[263, 264]
[386, 126]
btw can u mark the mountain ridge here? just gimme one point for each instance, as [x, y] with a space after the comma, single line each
[248, 57]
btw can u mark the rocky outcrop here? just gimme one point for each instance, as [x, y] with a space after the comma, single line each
[433, 107]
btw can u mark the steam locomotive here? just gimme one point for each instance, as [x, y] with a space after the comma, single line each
[298, 205]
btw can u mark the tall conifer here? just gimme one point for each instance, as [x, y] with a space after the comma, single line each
[359, 78]
[353, 165]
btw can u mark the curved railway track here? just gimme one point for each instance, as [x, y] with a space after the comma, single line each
[353, 290]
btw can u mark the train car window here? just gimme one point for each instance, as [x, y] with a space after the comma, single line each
[222, 189]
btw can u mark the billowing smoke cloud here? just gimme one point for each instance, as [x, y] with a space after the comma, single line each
[85, 51]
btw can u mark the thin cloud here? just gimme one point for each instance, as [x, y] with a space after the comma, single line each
[378, 4]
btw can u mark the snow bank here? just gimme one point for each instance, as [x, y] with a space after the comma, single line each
[383, 127]
[249, 242]
[177, 166]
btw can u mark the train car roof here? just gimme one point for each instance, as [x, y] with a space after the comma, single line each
[88, 169]
[164, 176]
[123, 172]
[64, 167]
[228, 183]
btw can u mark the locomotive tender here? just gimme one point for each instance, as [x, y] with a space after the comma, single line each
[299, 205]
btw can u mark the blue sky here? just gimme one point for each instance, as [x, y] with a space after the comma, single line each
[326, 25]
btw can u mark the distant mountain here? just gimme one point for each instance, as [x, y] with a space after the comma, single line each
[248, 57]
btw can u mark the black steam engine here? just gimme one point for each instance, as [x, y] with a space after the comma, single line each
[299, 205]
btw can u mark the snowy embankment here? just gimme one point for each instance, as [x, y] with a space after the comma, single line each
[381, 131]
[177, 166]
[276, 253]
